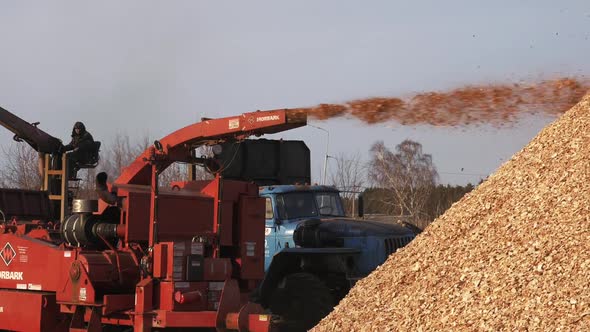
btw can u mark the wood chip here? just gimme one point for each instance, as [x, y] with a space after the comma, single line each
[512, 255]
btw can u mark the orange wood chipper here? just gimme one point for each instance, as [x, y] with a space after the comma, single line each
[142, 257]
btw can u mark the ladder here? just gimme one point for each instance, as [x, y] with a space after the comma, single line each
[56, 182]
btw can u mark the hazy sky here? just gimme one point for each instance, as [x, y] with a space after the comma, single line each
[153, 67]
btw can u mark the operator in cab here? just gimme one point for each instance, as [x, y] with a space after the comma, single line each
[81, 147]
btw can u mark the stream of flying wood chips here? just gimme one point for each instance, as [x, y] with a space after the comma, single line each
[496, 104]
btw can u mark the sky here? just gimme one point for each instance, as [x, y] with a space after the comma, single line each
[149, 68]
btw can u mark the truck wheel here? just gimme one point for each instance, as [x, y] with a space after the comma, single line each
[302, 300]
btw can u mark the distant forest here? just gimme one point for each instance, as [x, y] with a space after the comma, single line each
[377, 201]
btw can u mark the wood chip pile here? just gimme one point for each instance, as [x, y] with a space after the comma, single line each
[512, 255]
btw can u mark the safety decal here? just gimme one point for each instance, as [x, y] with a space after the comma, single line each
[82, 295]
[22, 254]
[234, 123]
[8, 254]
[35, 287]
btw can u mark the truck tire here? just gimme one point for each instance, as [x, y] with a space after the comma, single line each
[302, 300]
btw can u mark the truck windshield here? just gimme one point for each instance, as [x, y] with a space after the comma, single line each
[329, 204]
[309, 204]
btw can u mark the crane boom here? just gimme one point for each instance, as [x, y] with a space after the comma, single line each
[28, 132]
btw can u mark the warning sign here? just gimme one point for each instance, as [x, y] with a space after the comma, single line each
[8, 254]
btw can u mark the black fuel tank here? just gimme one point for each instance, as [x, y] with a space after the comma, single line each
[266, 162]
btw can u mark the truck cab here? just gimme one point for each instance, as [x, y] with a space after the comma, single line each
[288, 205]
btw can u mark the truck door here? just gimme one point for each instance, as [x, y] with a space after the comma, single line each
[270, 233]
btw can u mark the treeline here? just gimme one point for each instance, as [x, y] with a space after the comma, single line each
[379, 201]
[402, 183]
[20, 168]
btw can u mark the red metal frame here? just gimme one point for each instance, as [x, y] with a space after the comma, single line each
[41, 310]
[180, 237]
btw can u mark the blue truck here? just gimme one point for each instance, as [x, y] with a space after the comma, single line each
[314, 253]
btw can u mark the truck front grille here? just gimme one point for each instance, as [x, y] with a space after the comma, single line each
[394, 243]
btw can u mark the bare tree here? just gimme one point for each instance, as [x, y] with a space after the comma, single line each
[180, 171]
[20, 167]
[118, 154]
[408, 173]
[122, 151]
[174, 172]
[349, 176]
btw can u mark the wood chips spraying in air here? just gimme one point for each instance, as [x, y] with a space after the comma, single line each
[512, 255]
[494, 104]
